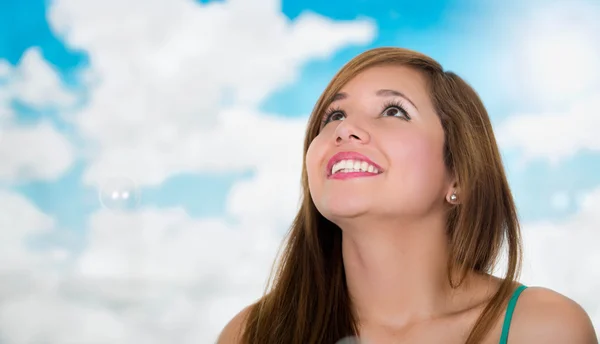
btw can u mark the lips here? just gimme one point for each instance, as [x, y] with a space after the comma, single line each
[349, 156]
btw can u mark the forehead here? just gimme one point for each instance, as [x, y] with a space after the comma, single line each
[395, 77]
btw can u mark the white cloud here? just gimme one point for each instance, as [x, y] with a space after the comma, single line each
[33, 82]
[155, 276]
[47, 318]
[278, 186]
[242, 139]
[561, 255]
[168, 271]
[554, 136]
[552, 51]
[5, 69]
[20, 221]
[550, 65]
[163, 73]
[36, 152]
[6, 113]
[37, 84]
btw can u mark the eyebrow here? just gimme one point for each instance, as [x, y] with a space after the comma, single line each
[381, 93]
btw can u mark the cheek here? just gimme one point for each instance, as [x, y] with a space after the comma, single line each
[314, 156]
[419, 162]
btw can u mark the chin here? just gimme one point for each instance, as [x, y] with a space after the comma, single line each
[343, 208]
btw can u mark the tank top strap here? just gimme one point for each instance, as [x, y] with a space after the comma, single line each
[509, 313]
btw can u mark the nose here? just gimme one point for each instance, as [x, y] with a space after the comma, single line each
[347, 131]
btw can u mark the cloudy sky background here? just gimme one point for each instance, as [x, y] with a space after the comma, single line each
[150, 151]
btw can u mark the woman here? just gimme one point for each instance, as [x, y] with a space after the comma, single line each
[406, 210]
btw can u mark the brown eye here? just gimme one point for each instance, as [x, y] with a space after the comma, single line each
[335, 116]
[332, 116]
[394, 111]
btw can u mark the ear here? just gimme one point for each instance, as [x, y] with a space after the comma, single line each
[453, 193]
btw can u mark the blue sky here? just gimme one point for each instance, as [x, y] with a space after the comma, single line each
[410, 24]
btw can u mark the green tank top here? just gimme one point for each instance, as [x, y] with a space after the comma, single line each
[509, 313]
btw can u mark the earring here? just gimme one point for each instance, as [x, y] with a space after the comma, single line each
[453, 197]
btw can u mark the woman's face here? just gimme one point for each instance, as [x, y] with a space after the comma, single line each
[390, 142]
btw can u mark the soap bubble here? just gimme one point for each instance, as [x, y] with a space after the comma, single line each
[119, 194]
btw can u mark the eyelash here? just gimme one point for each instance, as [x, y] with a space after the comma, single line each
[386, 106]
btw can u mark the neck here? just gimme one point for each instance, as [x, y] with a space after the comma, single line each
[397, 272]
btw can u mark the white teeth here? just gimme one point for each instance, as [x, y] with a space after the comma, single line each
[345, 166]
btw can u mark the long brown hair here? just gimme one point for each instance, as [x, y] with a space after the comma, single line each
[308, 301]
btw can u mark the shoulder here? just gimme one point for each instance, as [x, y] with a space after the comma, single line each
[231, 333]
[545, 316]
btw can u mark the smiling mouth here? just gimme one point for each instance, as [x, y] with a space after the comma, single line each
[352, 168]
[351, 164]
